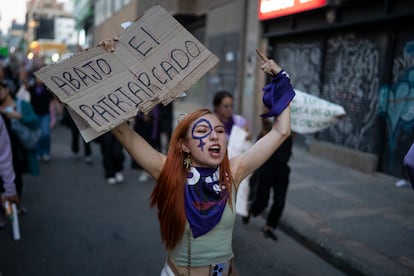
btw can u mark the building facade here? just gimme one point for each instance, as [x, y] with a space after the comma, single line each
[50, 29]
[361, 56]
[357, 54]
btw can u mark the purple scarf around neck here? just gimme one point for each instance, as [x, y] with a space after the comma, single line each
[205, 199]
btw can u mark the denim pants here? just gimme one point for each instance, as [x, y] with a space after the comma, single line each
[43, 147]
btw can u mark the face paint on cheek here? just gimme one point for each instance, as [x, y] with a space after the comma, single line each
[194, 136]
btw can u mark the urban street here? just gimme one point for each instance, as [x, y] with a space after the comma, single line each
[77, 224]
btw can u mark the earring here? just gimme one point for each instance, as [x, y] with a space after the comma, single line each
[187, 161]
[181, 117]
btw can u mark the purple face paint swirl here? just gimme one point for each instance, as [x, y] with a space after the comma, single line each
[204, 135]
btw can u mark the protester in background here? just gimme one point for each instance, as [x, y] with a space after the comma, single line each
[42, 101]
[22, 92]
[148, 127]
[272, 176]
[238, 138]
[112, 158]
[6, 76]
[7, 175]
[223, 107]
[24, 160]
[196, 183]
[75, 135]
[166, 124]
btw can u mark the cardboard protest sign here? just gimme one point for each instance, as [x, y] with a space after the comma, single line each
[155, 60]
[310, 114]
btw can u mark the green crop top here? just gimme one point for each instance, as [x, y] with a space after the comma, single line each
[213, 247]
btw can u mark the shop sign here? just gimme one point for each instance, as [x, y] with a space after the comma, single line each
[277, 8]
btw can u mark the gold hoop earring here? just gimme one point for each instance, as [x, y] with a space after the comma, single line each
[181, 117]
[187, 161]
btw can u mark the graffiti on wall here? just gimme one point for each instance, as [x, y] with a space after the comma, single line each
[352, 69]
[397, 100]
[404, 61]
[353, 82]
[303, 62]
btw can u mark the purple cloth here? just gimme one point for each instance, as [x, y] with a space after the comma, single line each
[237, 120]
[228, 125]
[6, 161]
[409, 165]
[205, 200]
[277, 94]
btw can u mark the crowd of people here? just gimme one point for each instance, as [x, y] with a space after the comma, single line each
[196, 178]
[25, 100]
[26, 103]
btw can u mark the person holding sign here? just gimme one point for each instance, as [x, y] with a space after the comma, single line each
[196, 182]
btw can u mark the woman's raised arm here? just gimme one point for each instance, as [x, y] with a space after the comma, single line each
[277, 97]
[143, 153]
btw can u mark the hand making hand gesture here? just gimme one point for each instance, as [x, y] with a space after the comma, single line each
[269, 66]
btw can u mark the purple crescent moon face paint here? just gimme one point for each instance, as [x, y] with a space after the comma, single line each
[204, 134]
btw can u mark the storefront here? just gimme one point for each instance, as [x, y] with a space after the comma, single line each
[359, 54]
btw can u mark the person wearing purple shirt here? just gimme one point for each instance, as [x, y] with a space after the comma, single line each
[223, 107]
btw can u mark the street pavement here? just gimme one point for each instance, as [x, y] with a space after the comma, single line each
[361, 224]
[79, 225]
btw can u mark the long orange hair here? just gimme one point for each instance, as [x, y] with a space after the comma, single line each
[168, 193]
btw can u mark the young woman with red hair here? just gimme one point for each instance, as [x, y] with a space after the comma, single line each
[196, 183]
